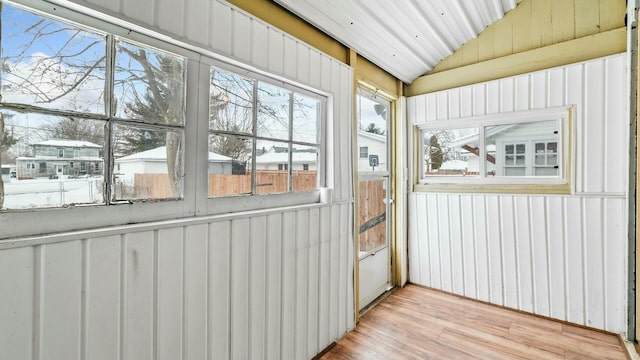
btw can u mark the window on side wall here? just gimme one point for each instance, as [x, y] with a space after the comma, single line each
[264, 136]
[519, 148]
[69, 90]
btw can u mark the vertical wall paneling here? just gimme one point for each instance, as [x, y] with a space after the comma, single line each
[325, 276]
[17, 326]
[171, 16]
[219, 289]
[237, 288]
[274, 286]
[138, 302]
[60, 300]
[313, 283]
[258, 291]
[301, 271]
[240, 255]
[102, 297]
[195, 291]
[169, 302]
[555, 255]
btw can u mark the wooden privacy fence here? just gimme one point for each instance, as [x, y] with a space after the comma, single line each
[372, 214]
[156, 186]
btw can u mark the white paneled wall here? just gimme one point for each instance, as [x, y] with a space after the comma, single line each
[273, 286]
[558, 256]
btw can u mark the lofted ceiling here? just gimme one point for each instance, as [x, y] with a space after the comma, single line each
[407, 38]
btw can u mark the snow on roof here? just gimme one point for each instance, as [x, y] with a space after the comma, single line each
[372, 136]
[68, 143]
[283, 158]
[160, 154]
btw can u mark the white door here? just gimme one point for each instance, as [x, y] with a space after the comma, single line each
[59, 170]
[374, 203]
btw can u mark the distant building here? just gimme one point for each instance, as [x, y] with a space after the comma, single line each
[277, 158]
[57, 158]
[154, 161]
[371, 144]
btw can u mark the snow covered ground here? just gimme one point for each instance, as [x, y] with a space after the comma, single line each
[38, 193]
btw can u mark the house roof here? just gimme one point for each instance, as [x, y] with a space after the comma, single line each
[68, 143]
[372, 136]
[160, 154]
[283, 158]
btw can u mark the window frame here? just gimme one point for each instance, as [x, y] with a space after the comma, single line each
[483, 182]
[195, 201]
[243, 202]
[83, 216]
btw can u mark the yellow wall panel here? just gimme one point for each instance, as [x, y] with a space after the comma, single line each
[470, 52]
[541, 23]
[503, 44]
[587, 17]
[563, 20]
[522, 28]
[486, 44]
[611, 14]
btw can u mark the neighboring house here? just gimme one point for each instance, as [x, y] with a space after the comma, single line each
[524, 149]
[154, 161]
[277, 158]
[371, 144]
[57, 158]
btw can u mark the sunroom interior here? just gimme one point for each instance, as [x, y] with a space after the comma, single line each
[255, 179]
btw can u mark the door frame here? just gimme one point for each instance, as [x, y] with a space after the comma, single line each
[392, 153]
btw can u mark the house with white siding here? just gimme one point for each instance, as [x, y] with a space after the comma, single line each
[500, 220]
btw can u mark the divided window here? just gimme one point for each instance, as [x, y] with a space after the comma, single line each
[529, 147]
[264, 138]
[67, 89]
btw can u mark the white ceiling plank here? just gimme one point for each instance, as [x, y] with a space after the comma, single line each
[406, 38]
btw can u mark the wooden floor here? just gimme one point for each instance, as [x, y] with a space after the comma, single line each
[419, 323]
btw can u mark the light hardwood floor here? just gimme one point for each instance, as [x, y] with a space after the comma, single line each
[419, 323]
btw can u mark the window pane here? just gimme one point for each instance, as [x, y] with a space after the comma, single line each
[37, 176]
[150, 163]
[230, 103]
[148, 85]
[272, 164]
[525, 145]
[273, 111]
[305, 119]
[552, 160]
[552, 147]
[515, 171]
[229, 165]
[51, 64]
[451, 152]
[304, 168]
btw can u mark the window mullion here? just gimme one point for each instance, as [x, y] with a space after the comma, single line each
[482, 153]
[108, 93]
[290, 171]
[254, 119]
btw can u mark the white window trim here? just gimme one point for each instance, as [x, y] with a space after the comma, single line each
[249, 202]
[560, 114]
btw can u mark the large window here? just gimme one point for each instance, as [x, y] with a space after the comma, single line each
[264, 138]
[74, 93]
[528, 147]
[103, 123]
